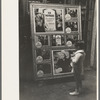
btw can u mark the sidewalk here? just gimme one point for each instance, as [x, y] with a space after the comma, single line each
[59, 90]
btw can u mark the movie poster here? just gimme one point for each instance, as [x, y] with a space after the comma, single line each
[48, 20]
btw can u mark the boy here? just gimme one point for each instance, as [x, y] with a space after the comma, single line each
[77, 61]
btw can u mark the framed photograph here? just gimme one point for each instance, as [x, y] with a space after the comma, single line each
[57, 40]
[43, 70]
[61, 62]
[71, 39]
[48, 20]
[71, 13]
[71, 27]
[42, 55]
[42, 40]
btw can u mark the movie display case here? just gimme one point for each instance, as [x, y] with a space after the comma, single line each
[54, 30]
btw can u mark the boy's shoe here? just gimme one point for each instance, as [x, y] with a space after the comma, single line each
[75, 93]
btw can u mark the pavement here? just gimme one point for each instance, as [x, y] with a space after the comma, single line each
[58, 89]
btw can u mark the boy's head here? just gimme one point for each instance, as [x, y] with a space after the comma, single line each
[79, 44]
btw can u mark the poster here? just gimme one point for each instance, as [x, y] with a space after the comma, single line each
[48, 20]
[61, 62]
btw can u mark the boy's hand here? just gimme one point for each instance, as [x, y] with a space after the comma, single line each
[72, 55]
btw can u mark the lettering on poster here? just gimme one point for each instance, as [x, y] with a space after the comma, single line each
[49, 20]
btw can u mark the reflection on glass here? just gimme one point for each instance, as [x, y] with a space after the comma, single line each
[57, 40]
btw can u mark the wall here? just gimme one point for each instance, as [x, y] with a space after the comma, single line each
[94, 42]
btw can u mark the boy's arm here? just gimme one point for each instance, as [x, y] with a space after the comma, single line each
[76, 58]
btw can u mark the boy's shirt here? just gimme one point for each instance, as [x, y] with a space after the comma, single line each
[78, 58]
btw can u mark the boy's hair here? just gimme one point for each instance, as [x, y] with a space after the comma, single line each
[79, 44]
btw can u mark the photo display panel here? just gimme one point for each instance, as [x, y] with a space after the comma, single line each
[55, 29]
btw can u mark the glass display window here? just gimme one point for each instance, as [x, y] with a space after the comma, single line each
[54, 30]
[57, 40]
[48, 20]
